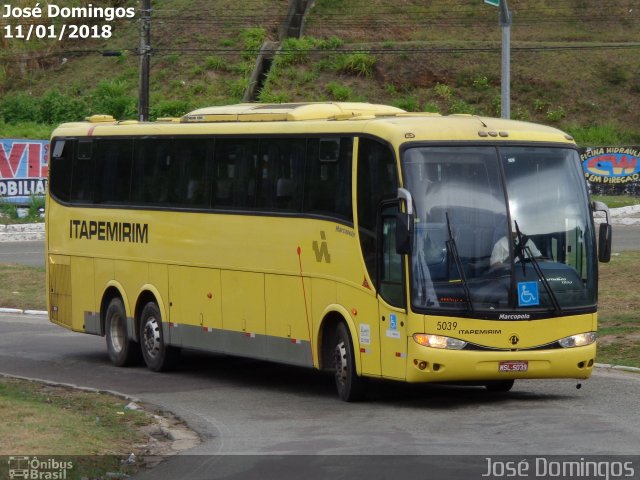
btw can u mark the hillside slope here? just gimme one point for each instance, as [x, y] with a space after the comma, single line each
[575, 63]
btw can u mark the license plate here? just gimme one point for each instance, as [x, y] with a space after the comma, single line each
[513, 366]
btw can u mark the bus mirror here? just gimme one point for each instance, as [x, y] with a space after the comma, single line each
[403, 233]
[604, 242]
[404, 223]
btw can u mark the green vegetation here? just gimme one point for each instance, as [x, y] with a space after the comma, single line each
[619, 301]
[616, 201]
[429, 57]
[38, 419]
[22, 287]
[9, 212]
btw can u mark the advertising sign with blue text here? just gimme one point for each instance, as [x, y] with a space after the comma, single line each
[23, 169]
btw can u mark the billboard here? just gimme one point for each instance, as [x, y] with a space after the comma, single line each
[23, 169]
[612, 170]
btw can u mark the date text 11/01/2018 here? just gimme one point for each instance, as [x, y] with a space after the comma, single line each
[56, 32]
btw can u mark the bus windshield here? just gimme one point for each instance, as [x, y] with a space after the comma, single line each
[499, 229]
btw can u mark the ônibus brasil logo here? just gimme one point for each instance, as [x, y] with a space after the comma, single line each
[32, 468]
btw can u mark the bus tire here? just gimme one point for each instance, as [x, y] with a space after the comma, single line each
[350, 386]
[499, 386]
[157, 355]
[121, 349]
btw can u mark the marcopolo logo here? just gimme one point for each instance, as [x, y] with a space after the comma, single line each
[33, 468]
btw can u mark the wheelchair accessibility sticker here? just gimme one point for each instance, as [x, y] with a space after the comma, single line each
[528, 295]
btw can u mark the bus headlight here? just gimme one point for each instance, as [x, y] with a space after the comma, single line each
[579, 340]
[438, 341]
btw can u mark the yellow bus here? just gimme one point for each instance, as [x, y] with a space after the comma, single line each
[349, 237]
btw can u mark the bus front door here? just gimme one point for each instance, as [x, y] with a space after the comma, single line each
[391, 299]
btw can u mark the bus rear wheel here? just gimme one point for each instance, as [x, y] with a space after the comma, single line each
[157, 355]
[121, 349]
[350, 386]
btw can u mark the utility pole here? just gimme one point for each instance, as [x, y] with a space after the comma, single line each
[505, 83]
[145, 60]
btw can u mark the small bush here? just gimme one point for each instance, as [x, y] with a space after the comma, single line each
[19, 108]
[57, 108]
[359, 64]
[332, 43]
[410, 104]
[111, 98]
[215, 63]
[556, 115]
[443, 91]
[339, 92]
[169, 108]
[295, 51]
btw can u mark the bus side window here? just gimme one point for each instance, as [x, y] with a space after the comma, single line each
[235, 173]
[328, 177]
[60, 168]
[83, 173]
[281, 174]
[114, 166]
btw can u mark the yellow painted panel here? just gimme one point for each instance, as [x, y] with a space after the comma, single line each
[287, 313]
[363, 306]
[132, 276]
[195, 296]
[393, 339]
[103, 274]
[243, 301]
[159, 279]
[82, 288]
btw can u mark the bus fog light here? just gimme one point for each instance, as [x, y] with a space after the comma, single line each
[438, 341]
[579, 340]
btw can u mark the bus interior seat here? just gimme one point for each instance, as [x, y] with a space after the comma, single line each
[224, 188]
[284, 193]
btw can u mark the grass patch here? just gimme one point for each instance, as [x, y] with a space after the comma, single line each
[619, 304]
[616, 201]
[22, 287]
[37, 419]
[9, 212]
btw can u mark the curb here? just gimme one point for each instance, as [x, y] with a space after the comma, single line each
[20, 311]
[621, 368]
[51, 383]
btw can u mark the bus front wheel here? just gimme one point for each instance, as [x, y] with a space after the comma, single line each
[121, 349]
[350, 386]
[158, 356]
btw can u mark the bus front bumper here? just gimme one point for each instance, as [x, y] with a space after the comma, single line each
[427, 364]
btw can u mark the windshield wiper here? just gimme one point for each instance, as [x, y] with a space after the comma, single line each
[453, 249]
[520, 250]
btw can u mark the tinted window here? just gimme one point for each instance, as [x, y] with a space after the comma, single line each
[113, 168]
[235, 173]
[60, 169]
[171, 172]
[82, 174]
[377, 179]
[281, 174]
[328, 177]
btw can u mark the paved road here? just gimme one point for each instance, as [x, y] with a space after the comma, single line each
[23, 253]
[625, 237]
[245, 407]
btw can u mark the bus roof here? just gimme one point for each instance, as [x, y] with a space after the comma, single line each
[390, 123]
